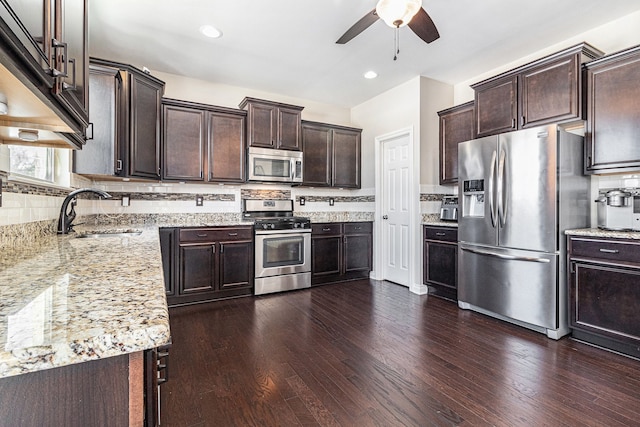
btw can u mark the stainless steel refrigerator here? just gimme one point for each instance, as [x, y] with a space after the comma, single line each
[519, 192]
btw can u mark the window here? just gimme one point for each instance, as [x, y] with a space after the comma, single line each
[34, 162]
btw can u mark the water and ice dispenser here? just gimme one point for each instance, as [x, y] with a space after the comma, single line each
[473, 198]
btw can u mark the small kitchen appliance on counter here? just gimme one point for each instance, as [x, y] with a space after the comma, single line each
[617, 210]
[449, 208]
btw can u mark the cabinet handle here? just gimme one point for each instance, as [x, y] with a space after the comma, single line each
[202, 235]
[521, 120]
[233, 234]
[326, 229]
[221, 248]
[118, 165]
[55, 44]
[357, 228]
[89, 132]
[67, 86]
[513, 123]
[213, 248]
[609, 251]
[441, 234]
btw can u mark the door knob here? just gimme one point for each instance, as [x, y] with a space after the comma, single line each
[385, 216]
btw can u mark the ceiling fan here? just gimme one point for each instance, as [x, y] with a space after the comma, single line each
[396, 14]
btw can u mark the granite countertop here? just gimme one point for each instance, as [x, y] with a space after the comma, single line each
[434, 219]
[66, 300]
[597, 232]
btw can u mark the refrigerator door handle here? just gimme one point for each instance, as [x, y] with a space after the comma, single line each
[502, 203]
[492, 206]
[505, 256]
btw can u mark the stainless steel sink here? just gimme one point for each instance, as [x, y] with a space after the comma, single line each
[108, 233]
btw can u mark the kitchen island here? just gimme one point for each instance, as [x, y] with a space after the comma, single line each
[76, 316]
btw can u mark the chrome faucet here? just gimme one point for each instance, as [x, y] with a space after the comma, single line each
[66, 218]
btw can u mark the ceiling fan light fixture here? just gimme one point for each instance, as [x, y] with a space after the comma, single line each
[397, 13]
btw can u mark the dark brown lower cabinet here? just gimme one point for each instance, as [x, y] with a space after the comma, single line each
[207, 263]
[441, 261]
[604, 293]
[105, 392]
[340, 251]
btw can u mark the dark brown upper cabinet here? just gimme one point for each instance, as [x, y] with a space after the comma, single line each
[202, 142]
[613, 113]
[331, 155]
[548, 90]
[457, 124]
[125, 112]
[273, 124]
[44, 44]
[183, 142]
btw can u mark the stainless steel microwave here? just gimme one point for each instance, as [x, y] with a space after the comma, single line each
[269, 165]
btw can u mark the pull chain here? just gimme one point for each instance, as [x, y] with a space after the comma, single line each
[396, 46]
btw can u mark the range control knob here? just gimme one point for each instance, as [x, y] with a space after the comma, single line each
[265, 226]
[272, 226]
[296, 225]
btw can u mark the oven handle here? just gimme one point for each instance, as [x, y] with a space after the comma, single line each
[292, 231]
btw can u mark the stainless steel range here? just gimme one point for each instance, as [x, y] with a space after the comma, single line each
[282, 246]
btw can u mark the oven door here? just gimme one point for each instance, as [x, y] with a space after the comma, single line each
[281, 252]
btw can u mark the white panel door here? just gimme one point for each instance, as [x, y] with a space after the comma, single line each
[395, 182]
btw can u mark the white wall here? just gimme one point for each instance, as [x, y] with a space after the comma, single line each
[612, 37]
[395, 109]
[195, 90]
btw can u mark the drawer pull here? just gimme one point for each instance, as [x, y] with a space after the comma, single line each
[202, 235]
[441, 234]
[233, 234]
[609, 251]
[326, 229]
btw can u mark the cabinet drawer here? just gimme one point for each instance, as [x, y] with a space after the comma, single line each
[326, 228]
[357, 227]
[446, 234]
[215, 234]
[606, 249]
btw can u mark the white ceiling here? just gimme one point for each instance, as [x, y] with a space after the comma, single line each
[288, 46]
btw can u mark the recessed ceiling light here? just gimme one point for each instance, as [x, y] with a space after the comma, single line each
[211, 31]
[370, 75]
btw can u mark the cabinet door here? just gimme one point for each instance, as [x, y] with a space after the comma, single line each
[289, 137]
[357, 252]
[550, 93]
[183, 143]
[197, 268]
[145, 104]
[440, 264]
[346, 159]
[604, 300]
[236, 264]
[101, 155]
[326, 256]
[32, 22]
[72, 29]
[613, 115]
[317, 155]
[168, 248]
[227, 157]
[496, 106]
[456, 125]
[262, 125]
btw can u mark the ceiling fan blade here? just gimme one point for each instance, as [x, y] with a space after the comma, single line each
[364, 23]
[423, 26]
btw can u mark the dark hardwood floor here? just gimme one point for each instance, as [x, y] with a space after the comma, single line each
[371, 353]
